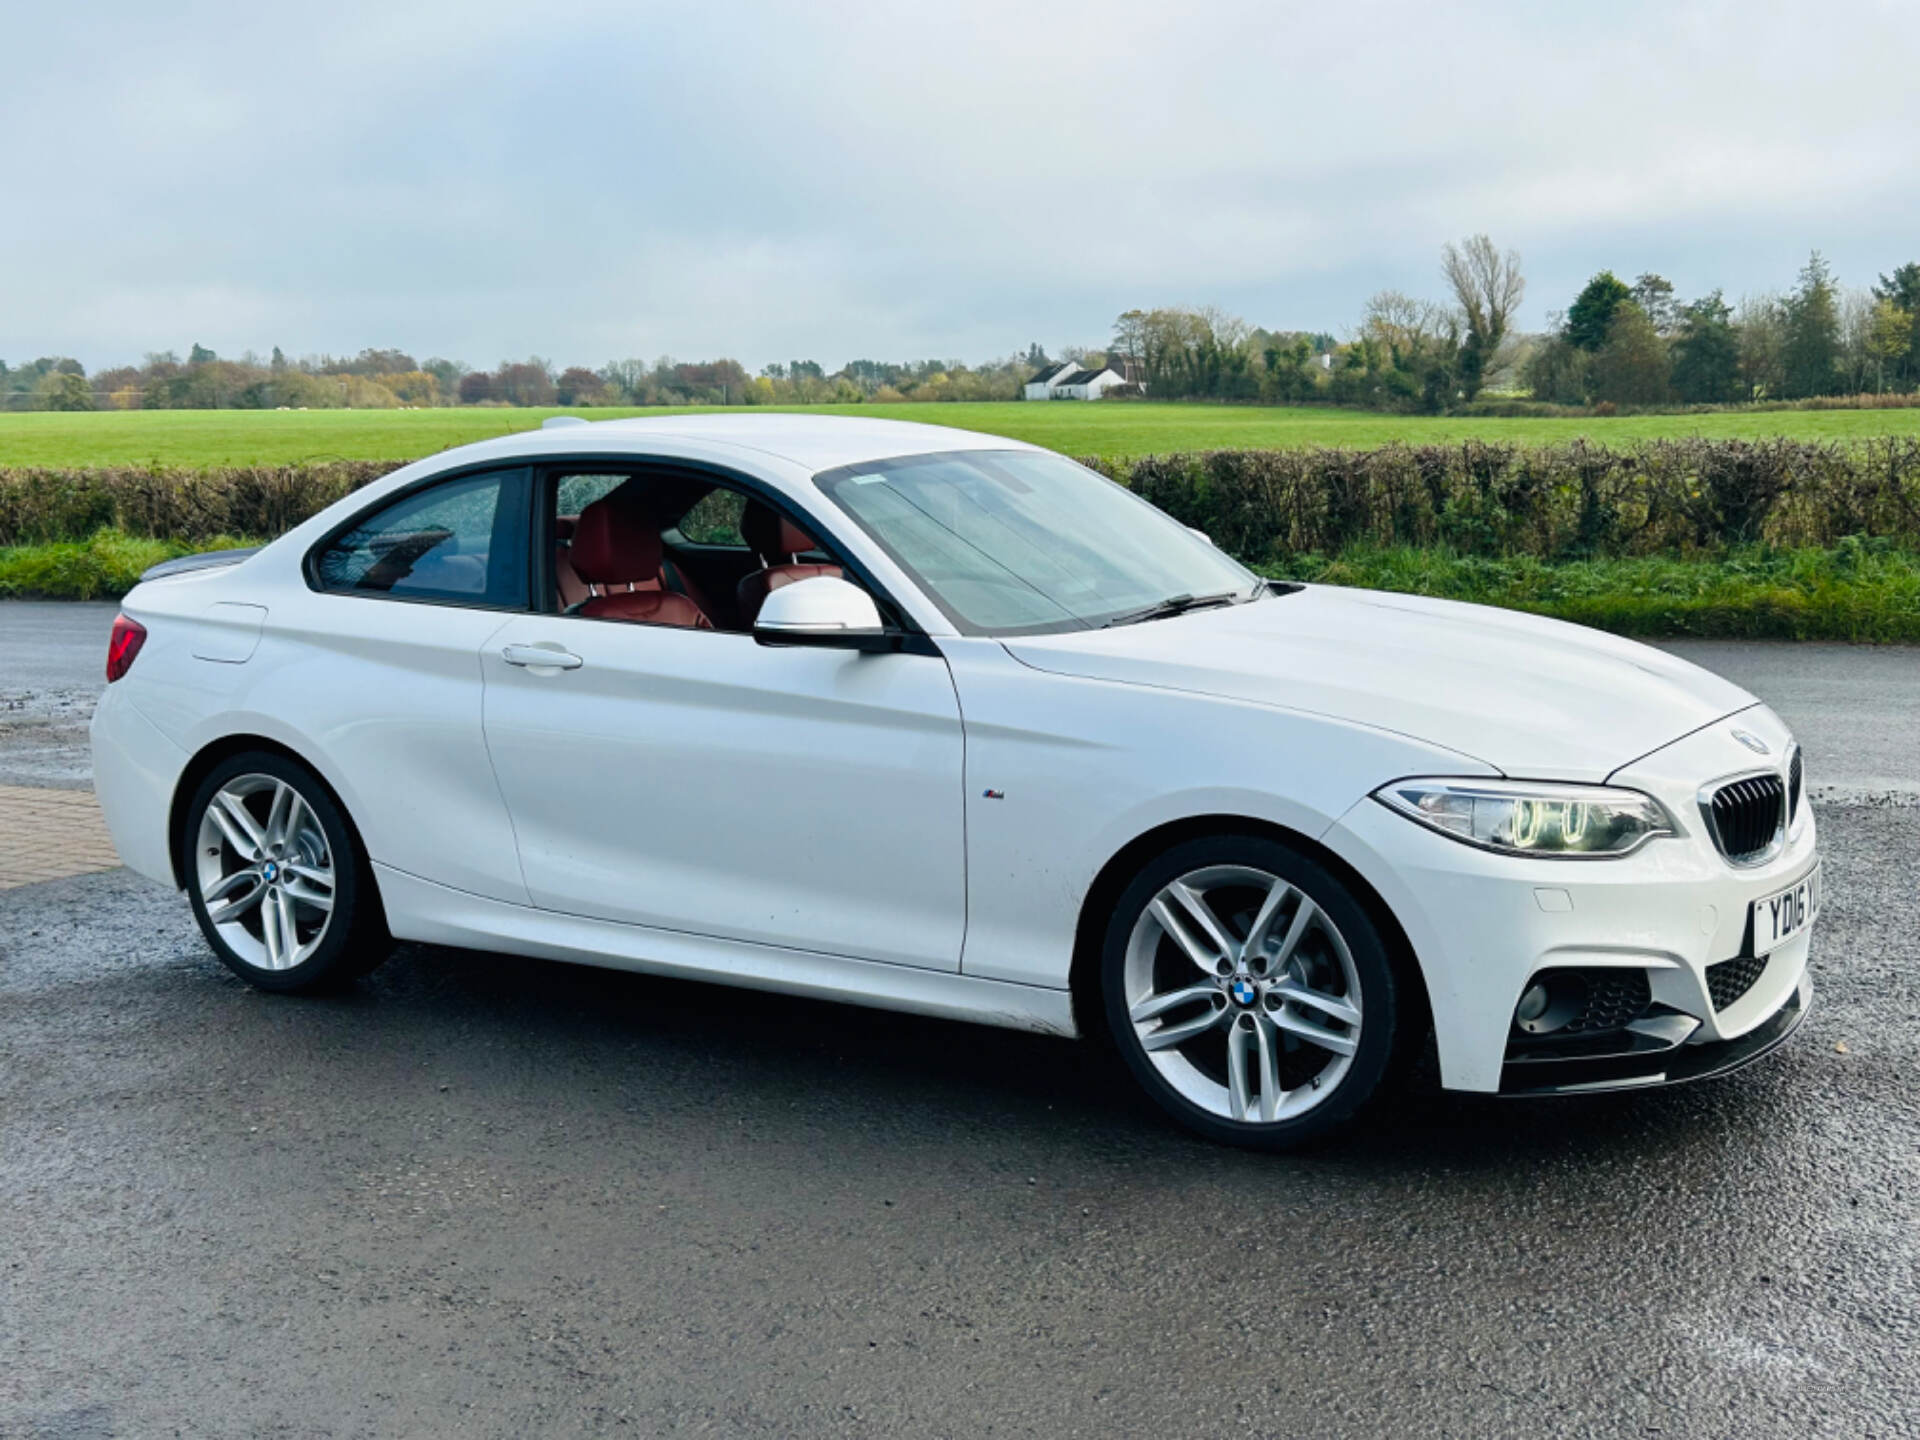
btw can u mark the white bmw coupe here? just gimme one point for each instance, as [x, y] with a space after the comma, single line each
[938, 722]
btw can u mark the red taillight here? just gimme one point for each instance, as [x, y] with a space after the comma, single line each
[125, 642]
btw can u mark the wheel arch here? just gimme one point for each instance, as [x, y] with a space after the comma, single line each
[210, 755]
[1114, 877]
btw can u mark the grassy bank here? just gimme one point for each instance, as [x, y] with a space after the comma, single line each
[1860, 591]
[1853, 591]
[1117, 430]
[102, 567]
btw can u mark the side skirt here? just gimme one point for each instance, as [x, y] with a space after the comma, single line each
[433, 914]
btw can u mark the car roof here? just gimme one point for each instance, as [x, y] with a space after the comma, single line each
[813, 442]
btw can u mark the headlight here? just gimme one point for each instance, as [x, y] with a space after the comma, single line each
[1522, 817]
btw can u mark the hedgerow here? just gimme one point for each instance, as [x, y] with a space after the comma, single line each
[1673, 497]
[1660, 497]
[41, 506]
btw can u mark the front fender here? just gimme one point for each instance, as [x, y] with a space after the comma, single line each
[1064, 773]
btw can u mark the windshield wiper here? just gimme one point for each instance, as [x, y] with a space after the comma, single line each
[1172, 605]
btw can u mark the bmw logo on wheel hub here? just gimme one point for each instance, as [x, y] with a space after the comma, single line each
[1242, 991]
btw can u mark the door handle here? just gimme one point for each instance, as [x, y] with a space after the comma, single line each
[540, 657]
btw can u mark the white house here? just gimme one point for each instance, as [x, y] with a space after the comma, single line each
[1039, 387]
[1069, 382]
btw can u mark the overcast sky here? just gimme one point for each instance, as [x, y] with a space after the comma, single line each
[825, 180]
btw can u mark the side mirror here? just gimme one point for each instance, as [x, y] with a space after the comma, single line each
[825, 610]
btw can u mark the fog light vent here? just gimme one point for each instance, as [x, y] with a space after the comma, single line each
[1582, 1002]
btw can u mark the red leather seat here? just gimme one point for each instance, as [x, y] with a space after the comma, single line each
[566, 579]
[616, 542]
[778, 542]
[573, 590]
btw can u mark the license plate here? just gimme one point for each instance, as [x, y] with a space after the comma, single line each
[1784, 914]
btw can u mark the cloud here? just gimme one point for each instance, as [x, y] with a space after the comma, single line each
[590, 180]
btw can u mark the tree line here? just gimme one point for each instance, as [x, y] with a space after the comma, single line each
[1640, 344]
[393, 379]
[1615, 344]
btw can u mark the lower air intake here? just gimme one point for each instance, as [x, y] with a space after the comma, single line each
[1730, 979]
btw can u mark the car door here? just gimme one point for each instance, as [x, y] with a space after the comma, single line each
[378, 662]
[696, 780]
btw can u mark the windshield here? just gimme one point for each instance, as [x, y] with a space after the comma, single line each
[1019, 541]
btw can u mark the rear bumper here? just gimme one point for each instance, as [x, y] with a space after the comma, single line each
[135, 771]
[1667, 1067]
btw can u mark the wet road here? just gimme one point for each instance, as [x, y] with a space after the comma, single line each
[491, 1197]
[484, 1196]
[53, 658]
[1854, 708]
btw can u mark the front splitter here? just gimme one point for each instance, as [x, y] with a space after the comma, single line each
[1671, 1067]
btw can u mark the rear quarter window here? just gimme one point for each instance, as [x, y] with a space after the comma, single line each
[462, 541]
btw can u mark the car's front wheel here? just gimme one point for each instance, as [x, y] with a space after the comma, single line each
[276, 876]
[1249, 991]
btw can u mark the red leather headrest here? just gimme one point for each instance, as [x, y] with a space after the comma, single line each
[616, 542]
[773, 537]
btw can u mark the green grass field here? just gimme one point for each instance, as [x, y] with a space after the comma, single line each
[1117, 430]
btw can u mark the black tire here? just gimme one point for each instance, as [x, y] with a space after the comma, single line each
[1379, 999]
[354, 939]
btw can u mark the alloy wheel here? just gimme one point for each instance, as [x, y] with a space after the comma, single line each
[265, 871]
[1243, 994]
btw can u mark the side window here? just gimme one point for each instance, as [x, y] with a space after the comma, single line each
[573, 493]
[715, 520]
[464, 542]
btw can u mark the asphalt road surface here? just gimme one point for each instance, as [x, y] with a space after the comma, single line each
[53, 659]
[1854, 708]
[484, 1196]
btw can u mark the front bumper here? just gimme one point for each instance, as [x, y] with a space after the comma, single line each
[1483, 926]
[1674, 1066]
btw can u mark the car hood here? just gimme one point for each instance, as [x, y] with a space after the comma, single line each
[1534, 698]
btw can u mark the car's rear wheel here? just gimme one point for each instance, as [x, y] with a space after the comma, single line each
[1249, 991]
[276, 876]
